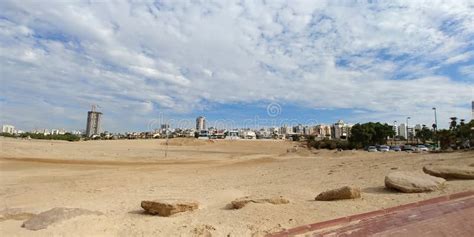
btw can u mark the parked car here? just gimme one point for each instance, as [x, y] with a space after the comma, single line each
[395, 148]
[372, 149]
[421, 148]
[408, 148]
[384, 148]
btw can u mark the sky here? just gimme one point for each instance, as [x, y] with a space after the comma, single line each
[262, 62]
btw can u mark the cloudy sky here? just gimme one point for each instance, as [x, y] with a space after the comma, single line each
[317, 60]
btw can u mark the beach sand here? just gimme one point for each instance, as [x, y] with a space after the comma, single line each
[113, 177]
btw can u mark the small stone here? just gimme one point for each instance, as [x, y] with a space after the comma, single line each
[241, 202]
[409, 182]
[168, 207]
[450, 172]
[345, 192]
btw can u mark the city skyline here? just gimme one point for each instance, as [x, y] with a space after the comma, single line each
[318, 61]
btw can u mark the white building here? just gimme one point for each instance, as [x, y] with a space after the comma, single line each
[341, 130]
[402, 130]
[248, 134]
[8, 129]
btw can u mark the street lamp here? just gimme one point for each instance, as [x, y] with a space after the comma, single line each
[395, 130]
[408, 135]
[436, 126]
[436, 119]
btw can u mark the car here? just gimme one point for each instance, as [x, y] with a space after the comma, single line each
[372, 149]
[395, 148]
[384, 148]
[408, 148]
[421, 148]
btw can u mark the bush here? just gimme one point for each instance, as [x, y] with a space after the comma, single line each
[65, 137]
[329, 144]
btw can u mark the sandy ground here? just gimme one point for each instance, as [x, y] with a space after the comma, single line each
[115, 176]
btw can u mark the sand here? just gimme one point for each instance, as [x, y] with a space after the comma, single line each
[113, 177]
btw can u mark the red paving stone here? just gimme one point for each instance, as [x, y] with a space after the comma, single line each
[451, 215]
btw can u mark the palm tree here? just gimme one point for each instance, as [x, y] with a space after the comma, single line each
[453, 123]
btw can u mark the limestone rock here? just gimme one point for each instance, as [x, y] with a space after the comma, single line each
[241, 202]
[55, 215]
[345, 192]
[168, 207]
[450, 172]
[409, 182]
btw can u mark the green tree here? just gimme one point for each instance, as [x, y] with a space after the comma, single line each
[370, 134]
[424, 134]
[453, 123]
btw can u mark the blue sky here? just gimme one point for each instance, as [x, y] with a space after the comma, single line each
[155, 61]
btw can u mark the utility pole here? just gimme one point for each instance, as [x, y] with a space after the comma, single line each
[408, 135]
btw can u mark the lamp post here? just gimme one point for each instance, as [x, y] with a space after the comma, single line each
[408, 135]
[395, 131]
[436, 126]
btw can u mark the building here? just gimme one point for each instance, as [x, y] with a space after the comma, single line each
[200, 123]
[322, 131]
[341, 130]
[286, 130]
[472, 110]
[8, 129]
[93, 122]
[402, 130]
[395, 129]
[417, 128]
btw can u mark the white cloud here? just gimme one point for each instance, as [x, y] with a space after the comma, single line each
[179, 56]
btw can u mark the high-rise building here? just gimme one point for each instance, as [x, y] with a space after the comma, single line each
[402, 130]
[200, 123]
[472, 110]
[93, 122]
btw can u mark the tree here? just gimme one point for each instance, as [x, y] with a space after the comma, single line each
[453, 123]
[424, 134]
[370, 134]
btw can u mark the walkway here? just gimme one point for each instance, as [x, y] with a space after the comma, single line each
[451, 215]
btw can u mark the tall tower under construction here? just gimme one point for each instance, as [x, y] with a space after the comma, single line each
[93, 122]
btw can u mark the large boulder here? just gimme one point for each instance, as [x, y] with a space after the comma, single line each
[168, 207]
[409, 182]
[450, 172]
[241, 202]
[345, 192]
[55, 215]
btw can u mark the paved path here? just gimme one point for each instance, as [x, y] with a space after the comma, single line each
[451, 215]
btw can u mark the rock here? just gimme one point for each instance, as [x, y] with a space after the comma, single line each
[168, 207]
[409, 182]
[450, 172]
[345, 192]
[241, 202]
[55, 215]
[14, 214]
